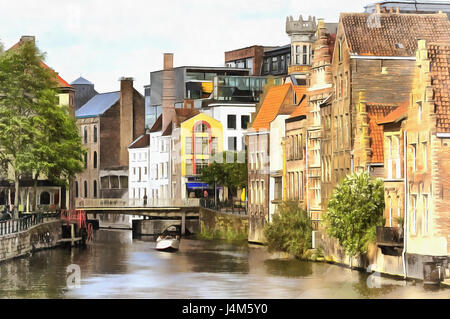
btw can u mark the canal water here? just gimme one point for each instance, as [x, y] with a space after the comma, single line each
[117, 265]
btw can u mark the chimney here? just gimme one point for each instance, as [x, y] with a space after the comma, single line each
[391, 10]
[168, 61]
[126, 118]
[378, 8]
[397, 10]
[28, 38]
[168, 91]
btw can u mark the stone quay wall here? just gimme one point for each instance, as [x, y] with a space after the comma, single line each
[42, 236]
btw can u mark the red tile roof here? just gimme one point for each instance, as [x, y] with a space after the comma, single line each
[439, 55]
[399, 113]
[270, 106]
[300, 110]
[375, 112]
[403, 30]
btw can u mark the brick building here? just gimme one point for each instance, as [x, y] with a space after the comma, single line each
[109, 123]
[320, 89]
[277, 101]
[247, 58]
[427, 159]
[373, 71]
[295, 154]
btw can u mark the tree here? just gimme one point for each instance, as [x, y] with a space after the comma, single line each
[354, 210]
[36, 134]
[290, 230]
[221, 172]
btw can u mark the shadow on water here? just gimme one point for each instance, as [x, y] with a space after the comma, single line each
[288, 268]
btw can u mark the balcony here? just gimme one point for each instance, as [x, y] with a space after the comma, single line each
[390, 240]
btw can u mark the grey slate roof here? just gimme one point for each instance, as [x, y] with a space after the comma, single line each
[98, 105]
[81, 81]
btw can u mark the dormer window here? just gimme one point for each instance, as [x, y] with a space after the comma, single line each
[399, 46]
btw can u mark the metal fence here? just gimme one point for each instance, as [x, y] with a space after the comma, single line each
[229, 206]
[24, 222]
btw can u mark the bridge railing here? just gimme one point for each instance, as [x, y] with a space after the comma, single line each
[135, 203]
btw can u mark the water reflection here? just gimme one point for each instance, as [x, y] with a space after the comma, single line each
[119, 266]
[288, 268]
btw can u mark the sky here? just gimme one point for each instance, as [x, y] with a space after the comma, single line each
[103, 40]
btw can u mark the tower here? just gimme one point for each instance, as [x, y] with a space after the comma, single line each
[302, 34]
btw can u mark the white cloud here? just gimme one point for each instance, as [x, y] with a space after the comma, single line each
[103, 40]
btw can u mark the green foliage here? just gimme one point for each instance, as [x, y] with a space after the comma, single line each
[36, 134]
[354, 211]
[290, 230]
[227, 171]
[400, 220]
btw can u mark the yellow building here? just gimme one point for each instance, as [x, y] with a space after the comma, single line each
[201, 138]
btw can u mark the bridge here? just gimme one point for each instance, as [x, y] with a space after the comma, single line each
[153, 214]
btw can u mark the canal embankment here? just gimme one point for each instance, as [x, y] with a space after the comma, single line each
[45, 235]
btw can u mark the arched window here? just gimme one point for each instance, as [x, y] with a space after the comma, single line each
[95, 133]
[44, 198]
[95, 159]
[76, 189]
[95, 189]
[85, 160]
[2, 198]
[340, 50]
[85, 189]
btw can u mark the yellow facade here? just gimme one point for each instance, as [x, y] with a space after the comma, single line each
[214, 130]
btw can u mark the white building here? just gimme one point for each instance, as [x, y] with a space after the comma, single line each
[139, 169]
[159, 160]
[234, 118]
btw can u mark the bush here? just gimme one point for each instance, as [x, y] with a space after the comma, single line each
[354, 211]
[290, 230]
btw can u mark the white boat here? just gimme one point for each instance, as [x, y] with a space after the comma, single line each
[169, 239]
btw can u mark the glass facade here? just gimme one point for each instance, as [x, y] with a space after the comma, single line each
[239, 88]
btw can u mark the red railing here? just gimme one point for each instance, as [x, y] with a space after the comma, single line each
[74, 216]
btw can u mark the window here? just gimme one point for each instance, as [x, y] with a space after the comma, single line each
[95, 189]
[266, 65]
[85, 189]
[231, 123]
[275, 64]
[389, 142]
[201, 128]
[76, 189]
[297, 54]
[305, 55]
[414, 213]
[95, 159]
[44, 198]
[245, 119]
[85, 160]
[85, 135]
[188, 145]
[419, 110]
[425, 215]
[95, 133]
[413, 148]
[278, 188]
[232, 143]
[424, 152]
[390, 211]
[202, 145]
[340, 50]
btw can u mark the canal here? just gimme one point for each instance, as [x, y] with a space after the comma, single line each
[118, 266]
